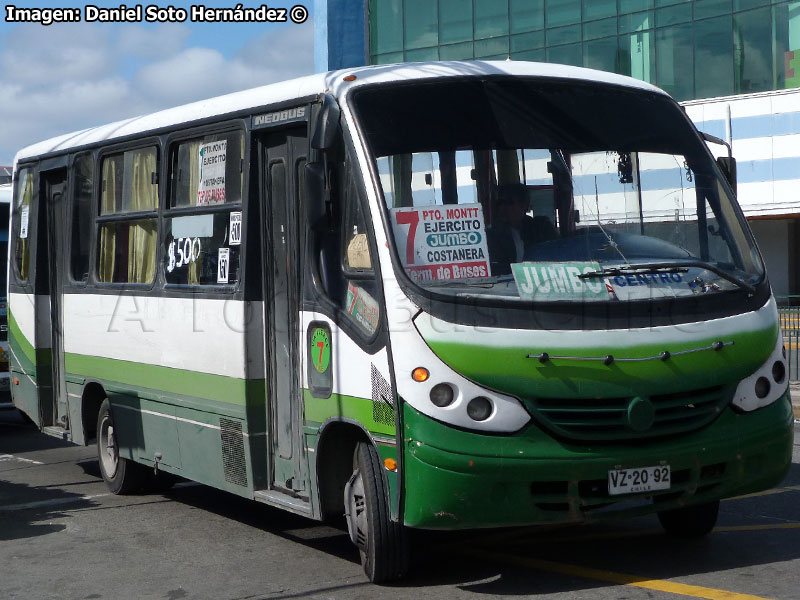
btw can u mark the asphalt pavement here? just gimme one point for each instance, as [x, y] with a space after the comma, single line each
[64, 536]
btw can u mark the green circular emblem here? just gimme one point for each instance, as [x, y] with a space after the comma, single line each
[641, 414]
[320, 349]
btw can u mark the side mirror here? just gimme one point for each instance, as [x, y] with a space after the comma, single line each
[325, 125]
[315, 193]
[726, 163]
[728, 166]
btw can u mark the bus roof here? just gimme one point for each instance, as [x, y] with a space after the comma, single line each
[313, 85]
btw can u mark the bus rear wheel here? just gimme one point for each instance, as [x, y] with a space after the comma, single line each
[382, 543]
[122, 476]
[690, 522]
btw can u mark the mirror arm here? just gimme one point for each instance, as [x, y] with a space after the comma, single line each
[715, 140]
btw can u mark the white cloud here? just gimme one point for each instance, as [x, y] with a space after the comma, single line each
[65, 78]
[152, 42]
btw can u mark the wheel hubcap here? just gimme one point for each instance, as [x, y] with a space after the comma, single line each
[109, 452]
[356, 507]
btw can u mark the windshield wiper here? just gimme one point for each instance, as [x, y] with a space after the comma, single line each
[670, 267]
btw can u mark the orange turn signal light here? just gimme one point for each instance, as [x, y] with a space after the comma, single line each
[390, 464]
[349, 77]
[16, 381]
[420, 374]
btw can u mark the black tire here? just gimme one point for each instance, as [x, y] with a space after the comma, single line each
[382, 543]
[122, 476]
[690, 522]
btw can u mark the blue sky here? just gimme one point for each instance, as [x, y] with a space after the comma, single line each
[66, 77]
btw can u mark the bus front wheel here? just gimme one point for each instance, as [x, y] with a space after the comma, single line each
[381, 542]
[122, 476]
[690, 521]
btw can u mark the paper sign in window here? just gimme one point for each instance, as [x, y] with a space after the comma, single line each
[235, 229]
[23, 222]
[223, 264]
[442, 242]
[211, 189]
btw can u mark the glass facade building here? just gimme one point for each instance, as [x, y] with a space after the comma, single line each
[734, 64]
[692, 49]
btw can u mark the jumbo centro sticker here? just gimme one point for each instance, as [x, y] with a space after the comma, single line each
[442, 242]
[558, 281]
[320, 349]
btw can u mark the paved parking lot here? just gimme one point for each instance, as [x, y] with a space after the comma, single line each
[62, 535]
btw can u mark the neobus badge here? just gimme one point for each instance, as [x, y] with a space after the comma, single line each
[291, 114]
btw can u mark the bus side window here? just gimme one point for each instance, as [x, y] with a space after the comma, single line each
[127, 246]
[83, 180]
[23, 199]
[204, 247]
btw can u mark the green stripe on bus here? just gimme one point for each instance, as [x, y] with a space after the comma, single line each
[508, 369]
[18, 339]
[229, 390]
[348, 407]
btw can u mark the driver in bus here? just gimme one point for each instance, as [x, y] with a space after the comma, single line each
[513, 229]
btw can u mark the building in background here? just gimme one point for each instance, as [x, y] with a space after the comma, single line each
[735, 64]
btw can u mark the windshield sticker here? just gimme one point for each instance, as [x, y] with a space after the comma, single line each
[544, 281]
[442, 242]
[236, 229]
[362, 307]
[211, 189]
[668, 279]
[23, 222]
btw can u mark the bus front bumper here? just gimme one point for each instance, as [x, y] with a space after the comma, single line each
[456, 479]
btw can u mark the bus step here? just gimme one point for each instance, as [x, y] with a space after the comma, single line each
[276, 498]
[57, 432]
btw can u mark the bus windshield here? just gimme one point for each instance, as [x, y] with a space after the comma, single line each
[545, 189]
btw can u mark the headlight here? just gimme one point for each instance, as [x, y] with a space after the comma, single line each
[766, 385]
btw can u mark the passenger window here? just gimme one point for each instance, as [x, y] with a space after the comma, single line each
[347, 262]
[82, 186]
[127, 246]
[207, 170]
[204, 248]
[23, 199]
[356, 256]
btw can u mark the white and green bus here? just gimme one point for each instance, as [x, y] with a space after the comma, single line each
[436, 296]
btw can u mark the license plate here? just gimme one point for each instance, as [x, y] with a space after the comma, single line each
[635, 481]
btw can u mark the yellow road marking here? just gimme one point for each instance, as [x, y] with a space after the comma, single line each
[693, 591]
[770, 492]
[734, 528]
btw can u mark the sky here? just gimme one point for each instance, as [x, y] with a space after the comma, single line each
[65, 77]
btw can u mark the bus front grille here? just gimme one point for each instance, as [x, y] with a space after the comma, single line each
[609, 419]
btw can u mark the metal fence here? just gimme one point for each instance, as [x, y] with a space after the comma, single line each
[789, 314]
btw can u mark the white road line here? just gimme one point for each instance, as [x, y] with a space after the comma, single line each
[10, 457]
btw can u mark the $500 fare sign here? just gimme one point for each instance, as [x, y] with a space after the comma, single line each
[442, 242]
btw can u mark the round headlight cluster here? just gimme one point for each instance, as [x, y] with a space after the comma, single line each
[479, 409]
[778, 371]
[762, 387]
[442, 395]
